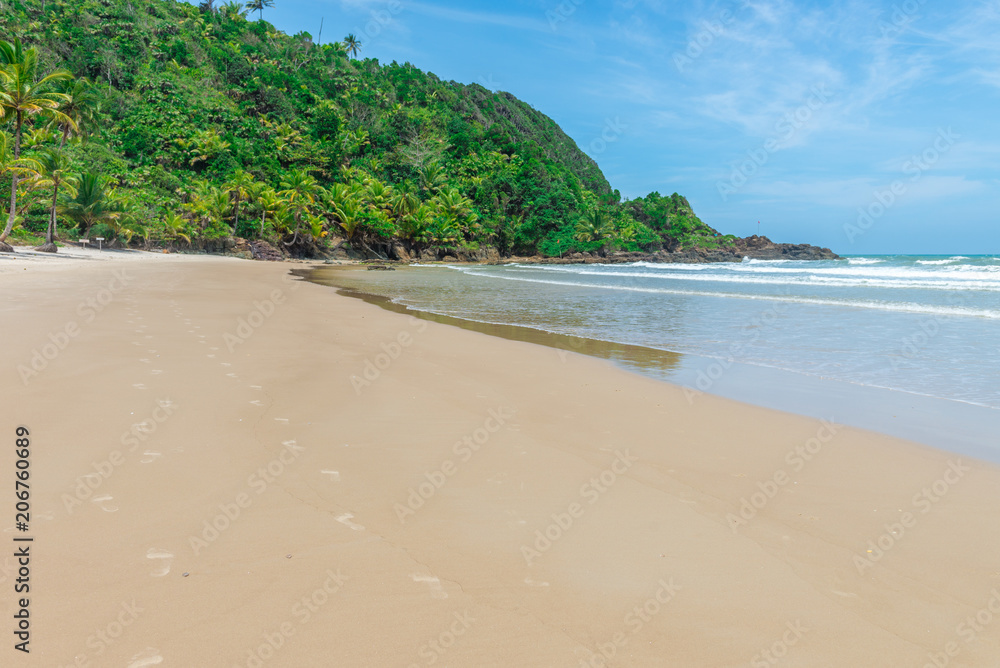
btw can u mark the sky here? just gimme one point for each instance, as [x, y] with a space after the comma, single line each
[866, 127]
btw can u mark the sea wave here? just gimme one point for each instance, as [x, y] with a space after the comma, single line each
[905, 307]
[985, 279]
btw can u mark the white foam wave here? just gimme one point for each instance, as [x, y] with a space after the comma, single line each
[970, 280]
[905, 307]
[864, 260]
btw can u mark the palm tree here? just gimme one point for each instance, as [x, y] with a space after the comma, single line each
[432, 178]
[215, 204]
[51, 170]
[269, 202]
[593, 227]
[81, 107]
[239, 187]
[258, 6]
[21, 94]
[352, 45]
[173, 224]
[92, 203]
[299, 189]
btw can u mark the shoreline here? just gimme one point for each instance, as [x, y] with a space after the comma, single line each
[954, 425]
[479, 501]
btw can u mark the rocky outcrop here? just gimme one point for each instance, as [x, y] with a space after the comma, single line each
[762, 248]
[261, 250]
[756, 248]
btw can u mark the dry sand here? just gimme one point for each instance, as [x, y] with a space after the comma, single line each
[324, 552]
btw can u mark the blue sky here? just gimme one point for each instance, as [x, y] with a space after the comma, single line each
[868, 127]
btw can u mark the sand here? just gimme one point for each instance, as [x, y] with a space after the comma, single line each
[231, 468]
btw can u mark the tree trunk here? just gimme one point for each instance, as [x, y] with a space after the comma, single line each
[263, 218]
[13, 183]
[236, 216]
[50, 238]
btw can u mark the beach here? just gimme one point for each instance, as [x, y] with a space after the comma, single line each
[233, 467]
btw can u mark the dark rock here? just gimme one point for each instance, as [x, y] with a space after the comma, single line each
[6, 247]
[400, 253]
[262, 250]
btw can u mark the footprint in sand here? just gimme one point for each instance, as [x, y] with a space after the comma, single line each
[150, 456]
[535, 583]
[144, 360]
[433, 582]
[164, 557]
[334, 475]
[156, 372]
[139, 386]
[257, 402]
[345, 519]
[212, 356]
[102, 501]
[147, 657]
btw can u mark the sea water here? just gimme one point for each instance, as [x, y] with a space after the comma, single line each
[920, 333]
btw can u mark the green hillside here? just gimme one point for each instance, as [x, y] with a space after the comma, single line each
[186, 126]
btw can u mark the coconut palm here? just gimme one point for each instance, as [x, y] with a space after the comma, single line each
[51, 169]
[593, 227]
[22, 94]
[352, 45]
[175, 227]
[258, 6]
[299, 189]
[269, 202]
[239, 188]
[92, 204]
[81, 107]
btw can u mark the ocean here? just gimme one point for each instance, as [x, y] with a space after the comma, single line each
[908, 345]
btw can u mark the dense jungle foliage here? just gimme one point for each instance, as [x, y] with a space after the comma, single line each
[155, 122]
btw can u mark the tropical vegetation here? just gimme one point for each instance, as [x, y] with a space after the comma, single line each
[162, 123]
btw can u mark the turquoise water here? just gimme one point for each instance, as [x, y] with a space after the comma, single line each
[914, 326]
